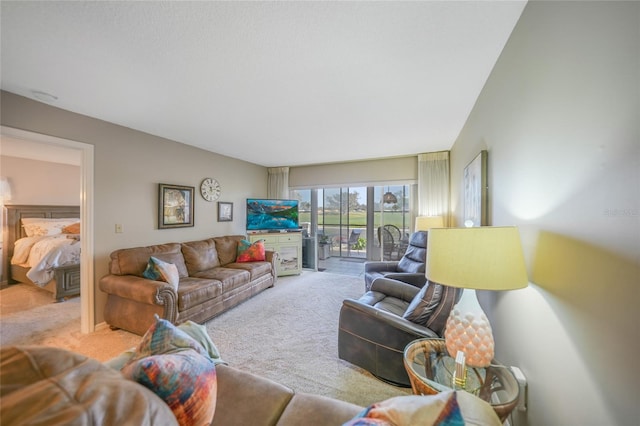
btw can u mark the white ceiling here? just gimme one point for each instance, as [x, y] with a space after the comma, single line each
[272, 83]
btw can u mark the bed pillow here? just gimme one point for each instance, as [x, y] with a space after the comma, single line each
[248, 252]
[424, 303]
[41, 227]
[74, 228]
[159, 270]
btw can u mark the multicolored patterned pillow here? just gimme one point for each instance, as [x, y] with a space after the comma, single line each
[163, 338]
[185, 380]
[248, 252]
[159, 270]
[438, 410]
[178, 369]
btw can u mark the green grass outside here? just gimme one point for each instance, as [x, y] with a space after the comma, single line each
[355, 219]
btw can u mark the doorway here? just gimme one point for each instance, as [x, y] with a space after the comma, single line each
[87, 290]
[346, 225]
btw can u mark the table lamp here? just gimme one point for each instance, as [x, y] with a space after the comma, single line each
[480, 258]
[424, 223]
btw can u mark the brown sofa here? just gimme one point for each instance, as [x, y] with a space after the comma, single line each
[44, 385]
[211, 281]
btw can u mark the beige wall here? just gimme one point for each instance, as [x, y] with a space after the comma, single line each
[128, 167]
[559, 117]
[41, 182]
[401, 170]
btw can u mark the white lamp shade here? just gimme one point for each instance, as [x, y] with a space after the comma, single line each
[483, 258]
[425, 223]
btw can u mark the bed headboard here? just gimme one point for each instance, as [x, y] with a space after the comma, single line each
[14, 230]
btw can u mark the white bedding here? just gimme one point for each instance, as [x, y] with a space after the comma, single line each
[44, 254]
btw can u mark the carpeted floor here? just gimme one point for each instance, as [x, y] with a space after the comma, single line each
[288, 333]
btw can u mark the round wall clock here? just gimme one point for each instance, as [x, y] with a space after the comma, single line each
[210, 189]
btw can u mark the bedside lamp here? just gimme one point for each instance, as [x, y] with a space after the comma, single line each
[424, 223]
[480, 258]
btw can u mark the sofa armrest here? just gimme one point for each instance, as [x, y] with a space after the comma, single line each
[382, 266]
[272, 257]
[395, 288]
[141, 290]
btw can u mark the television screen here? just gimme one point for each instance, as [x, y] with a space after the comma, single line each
[271, 215]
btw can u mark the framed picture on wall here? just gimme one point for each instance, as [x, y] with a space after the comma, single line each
[175, 206]
[475, 191]
[225, 212]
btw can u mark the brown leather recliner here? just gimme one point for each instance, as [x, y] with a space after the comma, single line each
[410, 268]
[374, 330]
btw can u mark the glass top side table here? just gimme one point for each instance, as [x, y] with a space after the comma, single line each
[430, 370]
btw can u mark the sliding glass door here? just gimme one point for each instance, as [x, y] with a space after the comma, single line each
[354, 222]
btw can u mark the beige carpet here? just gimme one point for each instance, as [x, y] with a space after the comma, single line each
[28, 316]
[288, 333]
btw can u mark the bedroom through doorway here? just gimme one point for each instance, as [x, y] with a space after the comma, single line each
[36, 149]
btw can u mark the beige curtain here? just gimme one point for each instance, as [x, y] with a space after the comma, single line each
[433, 185]
[278, 182]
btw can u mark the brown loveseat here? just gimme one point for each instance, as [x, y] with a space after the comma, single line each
[211, 281]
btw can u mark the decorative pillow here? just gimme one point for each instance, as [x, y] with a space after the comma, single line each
[424, 303]
[163, 337]
[74, 228]
[441, 409]
[159, 270]
[248, 252]
[178, 369]
[185, 380]
[40, 227]
[199, 333]
[196, 331]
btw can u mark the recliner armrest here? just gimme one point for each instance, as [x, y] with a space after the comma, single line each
[383, 266]
[395, 288]
[413, 278]
[388, 319]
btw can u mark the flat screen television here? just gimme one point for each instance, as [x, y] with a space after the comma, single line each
[272, 215]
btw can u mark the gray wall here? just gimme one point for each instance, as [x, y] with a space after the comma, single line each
[41, 182]
[128, 167]
[559, 117]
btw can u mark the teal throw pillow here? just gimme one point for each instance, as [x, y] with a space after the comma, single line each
[159, 270]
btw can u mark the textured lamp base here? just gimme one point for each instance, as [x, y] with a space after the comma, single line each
[468, 330]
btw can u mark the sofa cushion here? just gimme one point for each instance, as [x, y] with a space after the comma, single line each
[159, 270]
[256, 269]
[200, 255]
[227, 248]
[133, 261]
[424, 303]
[47, 385]
[231, 278]
[194, 291]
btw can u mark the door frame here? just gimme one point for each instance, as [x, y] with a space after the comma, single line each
[87, 288]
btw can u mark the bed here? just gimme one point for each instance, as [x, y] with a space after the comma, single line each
[57, 272]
